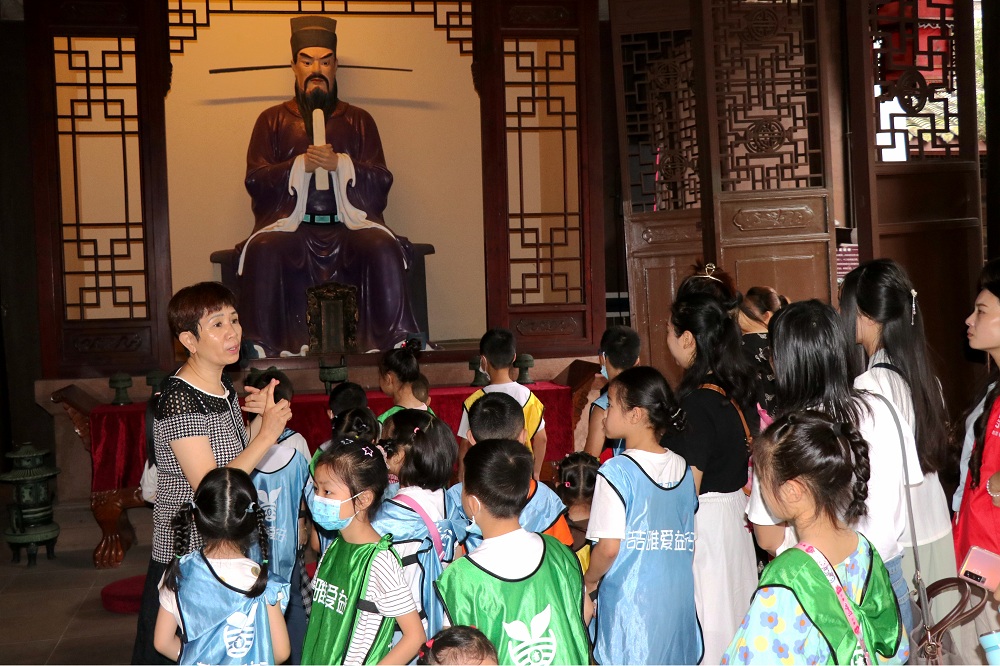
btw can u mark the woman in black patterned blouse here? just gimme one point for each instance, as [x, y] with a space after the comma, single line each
[198, 426]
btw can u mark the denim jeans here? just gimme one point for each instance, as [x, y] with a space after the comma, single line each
[895, 569]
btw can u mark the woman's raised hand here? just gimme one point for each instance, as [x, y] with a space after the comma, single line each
[274, 414]
[254, 402]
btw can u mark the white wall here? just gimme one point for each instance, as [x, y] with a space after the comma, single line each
[428, 120]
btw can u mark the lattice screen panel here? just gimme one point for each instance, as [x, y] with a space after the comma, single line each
[913, 57]
[767, 87]
[543, 164]
[103, 245]
[662, 151]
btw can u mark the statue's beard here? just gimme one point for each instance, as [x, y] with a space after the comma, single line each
[317, 98]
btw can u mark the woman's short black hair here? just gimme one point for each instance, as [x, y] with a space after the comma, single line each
[190, 304]
[428, 446]
[496, 415]
[498, 472]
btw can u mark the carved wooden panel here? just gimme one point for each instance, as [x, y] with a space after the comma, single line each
[797, 269]
[745, 218]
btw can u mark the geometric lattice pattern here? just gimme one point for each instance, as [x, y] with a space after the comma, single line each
[187, 16]
[660, 128]
[767, 86]
[103, 244]
[543, 171]
[913, 57]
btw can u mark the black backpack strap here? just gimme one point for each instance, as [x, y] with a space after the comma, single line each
[889, 366]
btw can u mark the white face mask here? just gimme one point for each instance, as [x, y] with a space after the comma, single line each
[482, 368]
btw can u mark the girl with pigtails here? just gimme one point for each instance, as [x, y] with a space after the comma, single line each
[829, 599]
[642, 519]
[229, 610]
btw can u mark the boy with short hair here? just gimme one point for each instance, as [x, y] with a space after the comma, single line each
[498, 416]
[619, 351]
[524, 591]
[497, 351]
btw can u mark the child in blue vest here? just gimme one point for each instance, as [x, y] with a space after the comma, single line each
[359, 594]
[642, 519]
[619, 351]
[499, 416]
[280, 478]
[227, 607]
[524, 591]
[398, 371]
[422, 452]
[829, 599]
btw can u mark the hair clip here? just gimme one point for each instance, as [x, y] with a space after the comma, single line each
[416, 430]
[367, 451]
[252, 507]
[709, 269]
[566, 483]
[913, 306]
[676, 413]
[178, 556]
[265, 561]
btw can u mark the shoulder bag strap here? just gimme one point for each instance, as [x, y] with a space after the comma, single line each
[838, 589]
[917, 578]
[431, 527]
[746, 429]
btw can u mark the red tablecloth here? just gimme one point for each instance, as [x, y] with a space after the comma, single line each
[118, 433]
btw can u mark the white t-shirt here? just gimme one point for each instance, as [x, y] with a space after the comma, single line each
[519, 392]
[967, 445]
[928, 498]
[239, 572]
[607, 512]
[886, 519]
[432, 502]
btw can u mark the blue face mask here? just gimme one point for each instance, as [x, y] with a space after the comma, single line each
[326, 512]
[604, 371]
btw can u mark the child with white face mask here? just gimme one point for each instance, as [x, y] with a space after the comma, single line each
[359, 594]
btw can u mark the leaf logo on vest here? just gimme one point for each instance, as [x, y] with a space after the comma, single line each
[269, 503]
[239, 633]
[536, 647]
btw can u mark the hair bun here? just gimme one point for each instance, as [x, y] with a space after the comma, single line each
[413, 345]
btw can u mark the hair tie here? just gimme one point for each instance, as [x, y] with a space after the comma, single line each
[675, 414]
[709, 269]
[566, 483]
[416, 430]
[913, 306]
[178, 556]
[265, 561]
[367, 451]
[252, 507]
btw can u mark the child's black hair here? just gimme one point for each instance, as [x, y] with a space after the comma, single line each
[496, 415]
[643, 386]
[499, 347]
[402, 361]
[361, 466]
[829, 457]
[428, 446]
[284, 390]
[577, 477]
[459, 644]
[224, 509]
[620, 346]
[345, 396]
[758, 301]
[358, 423]
[498, 472]
[421, 388]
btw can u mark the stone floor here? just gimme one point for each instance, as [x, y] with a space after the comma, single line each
[52, 613]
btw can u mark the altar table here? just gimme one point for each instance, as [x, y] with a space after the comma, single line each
[118, 448]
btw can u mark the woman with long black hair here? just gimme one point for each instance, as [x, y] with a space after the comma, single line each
[809, 350]
[718, 396]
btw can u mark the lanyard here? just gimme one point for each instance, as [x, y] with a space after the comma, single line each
[838, 589]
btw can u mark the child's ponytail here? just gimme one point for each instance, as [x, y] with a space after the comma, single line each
[858, 446]
[577, 478]
[646, 388]
[265, 550]
[182, 523]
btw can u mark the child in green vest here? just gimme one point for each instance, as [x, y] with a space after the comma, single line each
[359, 594]
[828, 600]
[524, 591]
[398, 371]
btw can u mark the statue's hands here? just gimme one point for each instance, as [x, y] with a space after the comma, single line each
[321, 156]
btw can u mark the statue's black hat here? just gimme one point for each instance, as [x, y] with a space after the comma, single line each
[313, 31]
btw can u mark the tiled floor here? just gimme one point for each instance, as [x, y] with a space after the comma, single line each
[52, 613]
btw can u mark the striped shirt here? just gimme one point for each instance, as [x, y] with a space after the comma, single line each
[390, 594]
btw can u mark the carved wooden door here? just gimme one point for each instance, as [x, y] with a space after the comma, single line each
[915, 161]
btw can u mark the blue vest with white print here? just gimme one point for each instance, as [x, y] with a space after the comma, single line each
[219, 623]
[645, 603]
[539, 514]
[279, 494]
[405, 525]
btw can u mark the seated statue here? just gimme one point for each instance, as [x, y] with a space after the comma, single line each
[318, 210]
